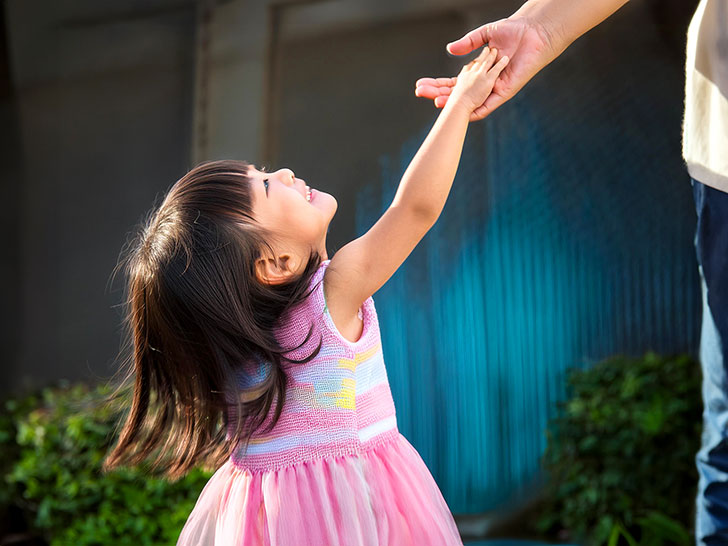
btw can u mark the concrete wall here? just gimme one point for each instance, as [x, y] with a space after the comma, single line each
[102, 103]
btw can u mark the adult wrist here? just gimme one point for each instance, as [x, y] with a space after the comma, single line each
[540, 16]
[563, 21]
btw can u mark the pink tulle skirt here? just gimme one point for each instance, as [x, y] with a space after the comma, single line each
[381, 496]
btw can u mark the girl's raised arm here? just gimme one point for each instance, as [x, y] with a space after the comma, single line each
[362, 266]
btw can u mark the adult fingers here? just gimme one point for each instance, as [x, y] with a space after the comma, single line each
[432, 91]
[479, 113]
[436, 81]
[494, 101]
[490, 105]
[433, 87]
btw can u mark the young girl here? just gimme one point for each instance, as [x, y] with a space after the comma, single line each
[255, 354]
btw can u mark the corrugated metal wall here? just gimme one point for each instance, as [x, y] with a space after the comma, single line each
[567, 238]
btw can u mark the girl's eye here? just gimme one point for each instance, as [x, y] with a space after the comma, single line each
[265, 182]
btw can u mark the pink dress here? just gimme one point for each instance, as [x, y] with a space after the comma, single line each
[335, 470]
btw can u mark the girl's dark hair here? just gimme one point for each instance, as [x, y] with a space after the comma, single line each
[197, 317]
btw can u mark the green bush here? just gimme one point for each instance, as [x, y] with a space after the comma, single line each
[620, 455]
[52, 445]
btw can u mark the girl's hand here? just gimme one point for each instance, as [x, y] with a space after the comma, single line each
[474, 83]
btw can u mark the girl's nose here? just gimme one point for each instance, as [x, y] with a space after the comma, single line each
[287, 175]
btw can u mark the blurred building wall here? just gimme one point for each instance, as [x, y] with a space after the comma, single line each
[10, 191]
[102, 99]
[108, 104]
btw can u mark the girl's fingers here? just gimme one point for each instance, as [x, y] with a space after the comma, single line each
[484, 54]
[477, 62]
[489, 59]
[499, 66]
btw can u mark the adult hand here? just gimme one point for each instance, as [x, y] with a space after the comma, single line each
[524, 40]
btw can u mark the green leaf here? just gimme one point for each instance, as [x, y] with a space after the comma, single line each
[659, 525]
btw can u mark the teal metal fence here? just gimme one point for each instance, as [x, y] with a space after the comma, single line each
[564, 241]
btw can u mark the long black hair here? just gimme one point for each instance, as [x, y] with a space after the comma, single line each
[196, 316]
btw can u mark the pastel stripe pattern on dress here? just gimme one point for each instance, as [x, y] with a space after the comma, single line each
[337, 403]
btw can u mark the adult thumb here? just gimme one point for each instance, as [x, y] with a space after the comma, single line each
[472, 40]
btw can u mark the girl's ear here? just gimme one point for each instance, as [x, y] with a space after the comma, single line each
[272, 271]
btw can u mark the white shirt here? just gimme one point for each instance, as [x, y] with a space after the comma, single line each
[705, 126]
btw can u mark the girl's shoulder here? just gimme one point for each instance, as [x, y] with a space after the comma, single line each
[314, 313]
[315, 306]
[361, 330]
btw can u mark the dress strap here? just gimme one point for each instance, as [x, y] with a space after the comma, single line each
[307, 315]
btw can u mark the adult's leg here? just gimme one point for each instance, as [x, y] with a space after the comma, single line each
[711, 245]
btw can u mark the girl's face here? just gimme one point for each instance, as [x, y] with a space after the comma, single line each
[280, 204]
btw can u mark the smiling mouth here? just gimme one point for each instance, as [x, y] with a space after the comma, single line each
[308, 194]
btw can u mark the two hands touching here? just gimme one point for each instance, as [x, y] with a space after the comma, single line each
[474, 84]
[524, 40]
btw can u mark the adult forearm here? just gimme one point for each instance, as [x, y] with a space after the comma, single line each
[566, 20]
[426, 183]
